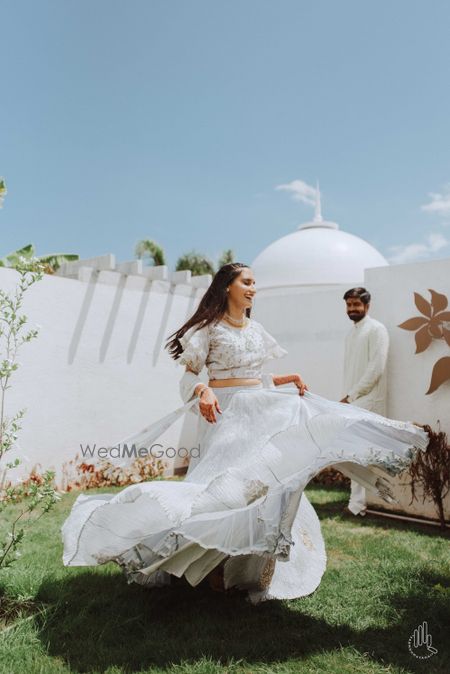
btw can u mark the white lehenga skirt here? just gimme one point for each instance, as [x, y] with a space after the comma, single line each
[242, 503]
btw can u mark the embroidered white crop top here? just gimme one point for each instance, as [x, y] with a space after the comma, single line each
[229, 352]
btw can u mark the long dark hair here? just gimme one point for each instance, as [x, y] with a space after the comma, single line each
[211, 308]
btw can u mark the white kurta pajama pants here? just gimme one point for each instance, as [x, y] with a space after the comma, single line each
[366, 352]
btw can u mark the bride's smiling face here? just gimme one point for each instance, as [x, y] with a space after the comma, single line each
[241, 290]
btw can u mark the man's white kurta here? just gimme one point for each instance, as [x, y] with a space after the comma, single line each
[366, 352]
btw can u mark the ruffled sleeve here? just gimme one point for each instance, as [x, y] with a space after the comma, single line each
[195, 345]
[272, 348]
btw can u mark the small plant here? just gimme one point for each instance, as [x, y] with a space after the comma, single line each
[430, 470]
[37, 496]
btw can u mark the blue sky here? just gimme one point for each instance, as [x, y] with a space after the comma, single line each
[177, 121]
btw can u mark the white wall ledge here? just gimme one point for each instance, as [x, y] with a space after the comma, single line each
[88, 269]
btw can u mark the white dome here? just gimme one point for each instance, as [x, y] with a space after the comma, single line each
[318, 253]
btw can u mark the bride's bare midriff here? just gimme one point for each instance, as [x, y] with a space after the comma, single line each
[218, 383]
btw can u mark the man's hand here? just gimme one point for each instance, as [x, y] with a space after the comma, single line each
[208, 405]
[344, 400]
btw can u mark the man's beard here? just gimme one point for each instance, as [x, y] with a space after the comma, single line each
[356, 317]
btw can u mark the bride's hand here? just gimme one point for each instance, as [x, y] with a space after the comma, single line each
[300, 384]
[280, 379]
[208, 405]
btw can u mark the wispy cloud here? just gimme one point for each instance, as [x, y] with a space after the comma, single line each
[440, 203]
[300, 191]
[418, 251]
[434, 242]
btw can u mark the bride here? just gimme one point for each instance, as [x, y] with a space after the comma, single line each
[240, 518]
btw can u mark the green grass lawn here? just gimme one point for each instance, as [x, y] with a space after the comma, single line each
[383, 579]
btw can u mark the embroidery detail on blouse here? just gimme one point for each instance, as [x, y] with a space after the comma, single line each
[229, 352]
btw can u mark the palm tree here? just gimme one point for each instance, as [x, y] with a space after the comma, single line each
[226, 257]
[150, 250]
[51, 262]
[196, 262]
[3, 191]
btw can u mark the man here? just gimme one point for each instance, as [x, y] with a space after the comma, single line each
[366, 351]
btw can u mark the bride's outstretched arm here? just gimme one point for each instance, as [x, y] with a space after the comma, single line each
[280, 379]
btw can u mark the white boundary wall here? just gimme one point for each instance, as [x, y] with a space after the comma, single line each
[98, 370]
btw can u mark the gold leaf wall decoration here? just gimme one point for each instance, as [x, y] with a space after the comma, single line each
[441, 373]
[434, 323]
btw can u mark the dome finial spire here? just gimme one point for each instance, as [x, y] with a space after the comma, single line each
[318, 220]
[318, 211]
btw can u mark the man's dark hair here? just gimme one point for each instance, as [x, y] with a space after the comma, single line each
[361, 293]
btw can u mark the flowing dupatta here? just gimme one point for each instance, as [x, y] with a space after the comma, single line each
[147, 436]
[380, 486]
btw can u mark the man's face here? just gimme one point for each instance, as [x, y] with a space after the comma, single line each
[356, 309]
